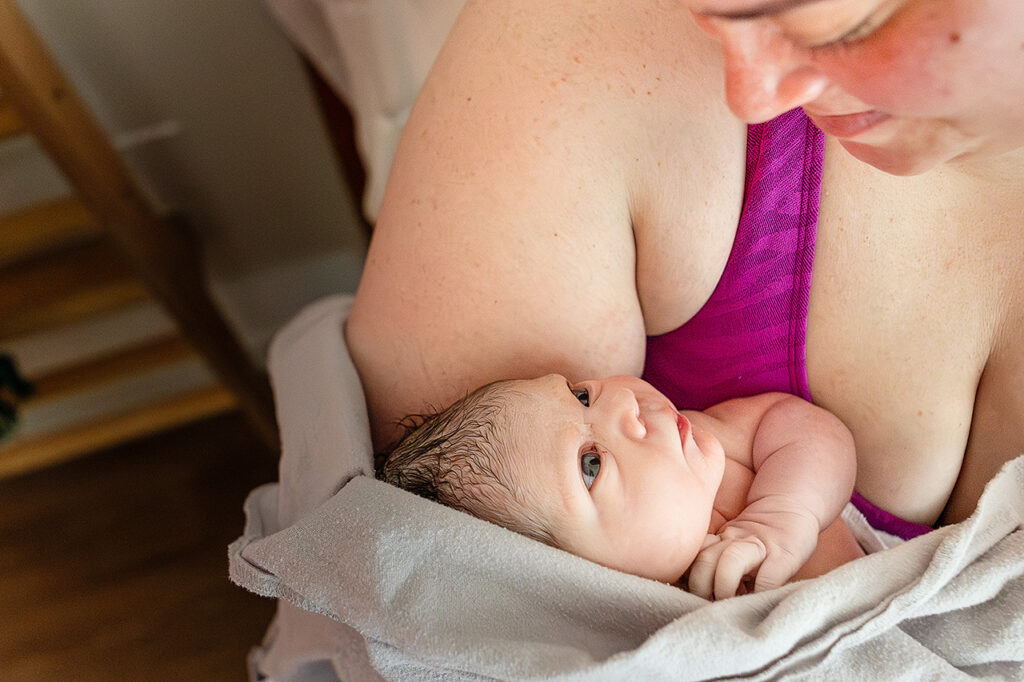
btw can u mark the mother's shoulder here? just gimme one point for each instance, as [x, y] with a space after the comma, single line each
[556, 153]
[625, 65]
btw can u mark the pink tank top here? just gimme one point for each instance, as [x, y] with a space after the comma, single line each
[751, 335]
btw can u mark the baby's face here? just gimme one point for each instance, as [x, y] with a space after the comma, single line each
[620, 477]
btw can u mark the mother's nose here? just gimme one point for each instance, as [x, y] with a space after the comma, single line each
[766, 74]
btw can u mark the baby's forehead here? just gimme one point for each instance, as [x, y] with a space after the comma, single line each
[511, 407]
[535, 458]
[501, 411]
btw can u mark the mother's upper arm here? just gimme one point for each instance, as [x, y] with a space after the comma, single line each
[504, 246]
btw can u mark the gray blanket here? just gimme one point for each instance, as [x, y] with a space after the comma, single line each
[371, 577]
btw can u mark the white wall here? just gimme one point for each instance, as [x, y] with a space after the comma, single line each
[212, 110]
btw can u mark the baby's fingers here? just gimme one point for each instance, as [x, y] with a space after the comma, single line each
[775, 572]
[702, 571]
[720, 567]
[740, 558]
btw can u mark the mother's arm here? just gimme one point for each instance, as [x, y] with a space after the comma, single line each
[505, 244]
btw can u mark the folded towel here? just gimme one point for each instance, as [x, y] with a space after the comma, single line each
[434, 593]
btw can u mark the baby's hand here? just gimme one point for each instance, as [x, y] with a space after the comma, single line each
[767, 543]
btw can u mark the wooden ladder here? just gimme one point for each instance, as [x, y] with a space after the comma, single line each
[103, 248]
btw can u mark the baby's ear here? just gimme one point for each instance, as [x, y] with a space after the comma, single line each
[379, 458]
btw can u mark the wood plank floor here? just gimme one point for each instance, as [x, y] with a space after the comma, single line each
[114, 566]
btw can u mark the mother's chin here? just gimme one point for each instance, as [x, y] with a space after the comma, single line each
[911, 149]
[893, 162]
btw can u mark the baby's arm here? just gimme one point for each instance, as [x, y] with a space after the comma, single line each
[804, 467]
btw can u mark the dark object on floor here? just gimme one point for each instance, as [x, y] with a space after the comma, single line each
[13, 389]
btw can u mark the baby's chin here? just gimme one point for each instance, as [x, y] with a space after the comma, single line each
[671, 572]
[714, 458]
[674, 574]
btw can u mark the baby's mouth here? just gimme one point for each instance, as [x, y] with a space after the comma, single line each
[684, 428]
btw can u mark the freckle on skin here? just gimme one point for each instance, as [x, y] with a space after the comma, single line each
[954, 37]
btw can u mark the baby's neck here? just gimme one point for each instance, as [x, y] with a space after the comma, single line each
[731, 497]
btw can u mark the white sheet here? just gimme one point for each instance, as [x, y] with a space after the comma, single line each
[375, 55]
[437, 594]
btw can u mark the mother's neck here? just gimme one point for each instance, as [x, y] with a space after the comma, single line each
[1004, 170]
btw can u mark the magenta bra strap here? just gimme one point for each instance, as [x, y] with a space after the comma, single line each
[750, 337]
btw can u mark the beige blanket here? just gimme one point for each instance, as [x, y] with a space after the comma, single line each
[421, 592]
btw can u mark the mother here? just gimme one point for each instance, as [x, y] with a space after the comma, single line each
[570, 185]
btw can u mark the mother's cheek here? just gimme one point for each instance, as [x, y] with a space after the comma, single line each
[914, 79]
[911, 65]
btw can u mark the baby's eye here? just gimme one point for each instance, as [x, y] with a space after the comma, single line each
[582, 395]
[590, 465]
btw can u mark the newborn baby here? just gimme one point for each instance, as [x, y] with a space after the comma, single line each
[745, 495]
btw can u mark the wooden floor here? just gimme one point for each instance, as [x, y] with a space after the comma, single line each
[114, 567]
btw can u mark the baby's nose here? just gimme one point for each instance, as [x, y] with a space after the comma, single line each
[628, 413]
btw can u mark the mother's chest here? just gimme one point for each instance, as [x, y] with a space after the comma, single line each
[909, 305]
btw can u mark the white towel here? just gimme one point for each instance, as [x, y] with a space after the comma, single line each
[437, 594]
